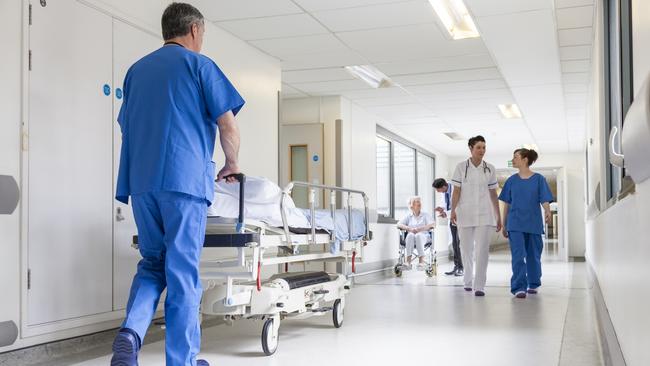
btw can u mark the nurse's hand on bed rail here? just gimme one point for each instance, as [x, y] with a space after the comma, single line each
[230, 172]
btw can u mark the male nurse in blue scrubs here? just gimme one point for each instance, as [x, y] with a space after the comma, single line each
[175, 99]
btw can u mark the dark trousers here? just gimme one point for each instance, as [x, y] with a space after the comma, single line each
[455, 244]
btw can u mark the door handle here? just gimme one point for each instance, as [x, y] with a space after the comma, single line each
[615, 158]
[118, 215]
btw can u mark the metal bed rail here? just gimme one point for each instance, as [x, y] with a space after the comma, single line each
[286, 192]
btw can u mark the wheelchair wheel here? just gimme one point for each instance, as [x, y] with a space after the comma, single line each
[429, 272]
[397, 270]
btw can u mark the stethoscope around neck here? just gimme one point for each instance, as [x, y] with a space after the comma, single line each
[486, 168]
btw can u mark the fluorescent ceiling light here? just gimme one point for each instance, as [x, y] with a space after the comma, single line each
[454, 136]
[510, 111]
[370, 75]
[454, 16]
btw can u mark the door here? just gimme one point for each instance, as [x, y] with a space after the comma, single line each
[301, 158]
[69, 163]
[563, 215]
[129, 45]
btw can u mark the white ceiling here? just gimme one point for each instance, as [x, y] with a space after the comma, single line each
[536, 53]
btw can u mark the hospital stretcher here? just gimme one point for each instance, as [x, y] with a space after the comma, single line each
[234, 288]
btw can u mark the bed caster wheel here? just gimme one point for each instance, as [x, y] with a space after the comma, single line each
[270, 337]
[429, 273]
[397, 270]
[337, 313]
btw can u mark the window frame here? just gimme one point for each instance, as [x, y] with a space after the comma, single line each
[392, 138]
[618, 83]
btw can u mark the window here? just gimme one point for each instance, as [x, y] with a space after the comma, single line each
[403, 170]
[618, 79]
[404, 178]
[383, 177]
[425, 179]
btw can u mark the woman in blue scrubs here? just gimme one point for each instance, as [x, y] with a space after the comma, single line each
[523, 194]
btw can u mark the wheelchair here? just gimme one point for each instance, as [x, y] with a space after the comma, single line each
[430, 260]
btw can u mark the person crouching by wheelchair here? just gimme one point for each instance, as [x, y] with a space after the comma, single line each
[417, 224]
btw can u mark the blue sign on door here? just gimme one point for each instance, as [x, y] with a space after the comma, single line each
[118, 93]
[107, 90]
[315, 158]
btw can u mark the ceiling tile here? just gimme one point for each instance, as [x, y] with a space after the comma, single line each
[377, 16]
[316, 5]
[575, 77]
[284, 48]
[463, 87]
[437, 64]
[571, 3]
[481, 8]
[290, 92]
[240, 9]
[576, 37]
[575, 53]
[448, 77]
[378, 102]
[424, 41]
[576, 66]
[575, 88]
[305, 76]
[274, 27]
[322, 60]
[328, 87]
[521, 43]
[375, 93]
[575, 17]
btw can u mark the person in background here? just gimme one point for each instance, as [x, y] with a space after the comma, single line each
[417, 224]
[441, 186]
[475, 210]
[523, 194]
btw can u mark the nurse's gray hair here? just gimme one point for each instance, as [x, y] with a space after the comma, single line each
[413, 199]
[178, 19]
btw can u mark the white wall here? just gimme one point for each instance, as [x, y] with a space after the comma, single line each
[256, 76]
[617, 240]
[574, 165]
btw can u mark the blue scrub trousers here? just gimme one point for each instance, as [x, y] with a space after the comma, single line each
[526, 249]
[171, 230]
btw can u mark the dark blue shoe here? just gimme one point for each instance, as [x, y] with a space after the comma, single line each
[125, 348]
[202, 363]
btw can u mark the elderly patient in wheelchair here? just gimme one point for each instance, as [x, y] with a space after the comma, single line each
[418, 226]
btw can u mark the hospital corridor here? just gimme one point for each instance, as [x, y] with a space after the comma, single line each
[311, 182]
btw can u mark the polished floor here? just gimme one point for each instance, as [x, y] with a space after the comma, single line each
[415, 320]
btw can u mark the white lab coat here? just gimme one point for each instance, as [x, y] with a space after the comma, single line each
[475, 207]
[475, 218]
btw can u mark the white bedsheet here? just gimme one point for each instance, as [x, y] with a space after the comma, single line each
[262, 203]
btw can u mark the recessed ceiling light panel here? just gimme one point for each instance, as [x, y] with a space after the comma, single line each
[455, 18]
[370, 75]
[510, 111]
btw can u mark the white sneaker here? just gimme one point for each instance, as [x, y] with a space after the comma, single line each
[407, 267]
[421, 266]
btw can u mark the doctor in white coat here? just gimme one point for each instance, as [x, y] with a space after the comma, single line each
[475, 210]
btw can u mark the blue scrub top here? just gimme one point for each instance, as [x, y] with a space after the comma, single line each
[172, 99]
[525, 197]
